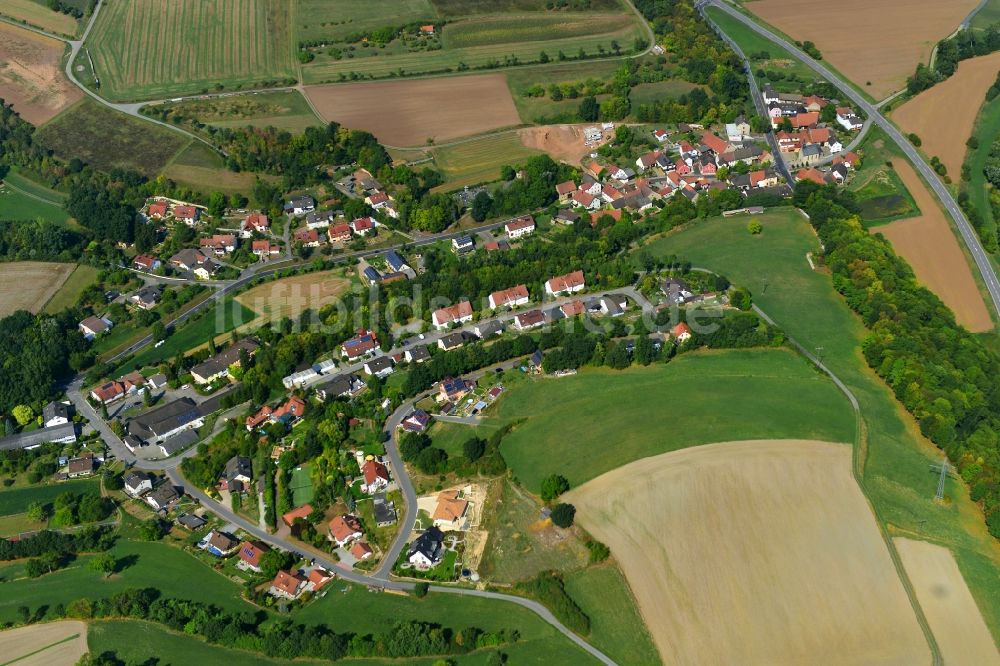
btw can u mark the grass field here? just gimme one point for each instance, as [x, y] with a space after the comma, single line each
[201, 168]
[896, 458]
[522, 545]
[28, 285]
[410, 113]
[78, 281]
[301, 486]
[31, 74]
[284, 110]
[142, 564]
[513, 29]
[37, 14]
[479, 160]
[107, 139]
[16, 204]
[333, 20]
[215, 321]
[17, 500]
[149, 49]
[133, 641]
[452, 8]
[52, 644]
[877, 44]
[615, 624]
[771, 539]
[536, 109]
[754, 46]
[881, 194]
[987, 16]
[361, 611]
[697, 398]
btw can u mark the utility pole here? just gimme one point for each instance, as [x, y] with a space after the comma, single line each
[943, 470]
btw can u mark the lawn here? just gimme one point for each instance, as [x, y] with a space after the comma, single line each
[284, 110]
[479, 161]
[107, 139]
[134, 641]
[615, 624]
[17, 500]
[520, 544]
[143, 564]
[361, 611]
[698, 398]
[301, 486]
[149, 49]
[895, 459]
[212, 321]
[82, 277]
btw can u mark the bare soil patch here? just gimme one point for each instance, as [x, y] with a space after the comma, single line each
[929, 245]
[951, 611]
[290, 297]
[408, 113]
[51, 644]
[758, 552]
[28, 285]
[563, 143]
[880, 42]
[943, 125]
[31, 76]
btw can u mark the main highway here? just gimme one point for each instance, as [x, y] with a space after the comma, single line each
[968, 234]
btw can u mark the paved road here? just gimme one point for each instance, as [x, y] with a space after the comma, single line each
[965, 229]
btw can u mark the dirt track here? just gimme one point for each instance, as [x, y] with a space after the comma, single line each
[31, 77]
[945, 599]
[759, 552]
[880, 41]
[942, 124]
[407, 113]
[52, 644]
[930, 247]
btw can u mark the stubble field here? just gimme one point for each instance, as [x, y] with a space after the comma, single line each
[760, 552]
[942, 124]
[28, 285]
[929, 245]
[40, 16]
[53, 644]
[408, 113]
[877, 42]
[290, 297]
[144, 49]
[31, 76]
[950, 609]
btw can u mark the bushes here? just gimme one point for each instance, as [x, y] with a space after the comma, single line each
[548, 588]
[563, 515]
[89, 539]
[553, 486]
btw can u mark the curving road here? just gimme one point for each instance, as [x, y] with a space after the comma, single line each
[965, 229]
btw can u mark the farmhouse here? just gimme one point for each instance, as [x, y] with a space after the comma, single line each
[427, 549]
[344, 529]
[565, 190]
[460, 313]
[376, 477]
[522, 226]
[509, 298]
[565, 284]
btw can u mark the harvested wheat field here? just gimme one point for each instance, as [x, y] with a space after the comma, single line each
[942, 125]
[408, 113]
[880, 42]
[28, 285]
[51, 644]
[563, 143]
[756, 552]
[290, 297]
[951, 611]
[31, 76]
[929, 245]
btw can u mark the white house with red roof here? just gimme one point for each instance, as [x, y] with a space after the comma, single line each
[460, 313]
[509, 298]
[565, 284]
[363, 225]
[376, 477]
[521, 226]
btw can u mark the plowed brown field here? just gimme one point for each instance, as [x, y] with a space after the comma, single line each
[943, 125]
[761, 552]
[408, 113]
[31, 76]
[929, 245]
[880, 41]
